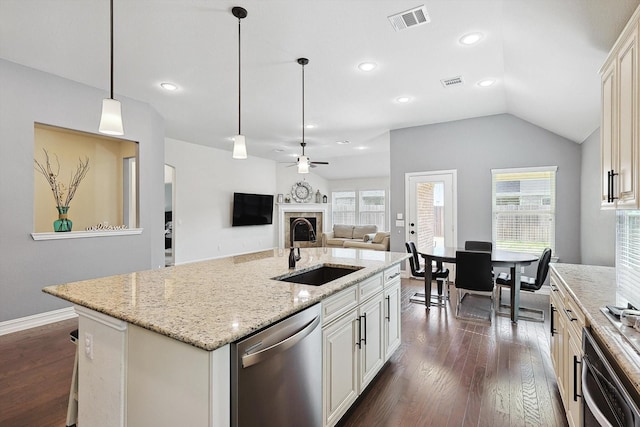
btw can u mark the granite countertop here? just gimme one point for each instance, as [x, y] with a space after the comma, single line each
[593, 287]
[211, 303]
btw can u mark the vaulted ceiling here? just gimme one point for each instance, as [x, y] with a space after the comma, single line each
[544, 56]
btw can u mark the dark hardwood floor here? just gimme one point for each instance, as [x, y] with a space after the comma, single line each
[447, 372]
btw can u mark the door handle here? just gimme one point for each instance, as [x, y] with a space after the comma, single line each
[287, 343]
[364, 337]
[388, 316]
[412, 232]
[412, 224]
[553, 328]
[359, 333]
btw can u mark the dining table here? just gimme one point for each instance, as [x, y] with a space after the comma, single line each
[499, 258]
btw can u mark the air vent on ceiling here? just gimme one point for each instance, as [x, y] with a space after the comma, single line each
[454, 81]
[410, 18]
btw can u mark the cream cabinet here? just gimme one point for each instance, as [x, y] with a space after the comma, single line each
[361, 330]
[567, 321]
[620, 121]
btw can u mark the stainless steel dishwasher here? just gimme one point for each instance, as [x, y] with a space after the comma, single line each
[276, 374]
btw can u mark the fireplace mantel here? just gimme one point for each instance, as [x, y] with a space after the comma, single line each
[284, 208]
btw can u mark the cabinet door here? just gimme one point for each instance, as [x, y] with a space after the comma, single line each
[371, 344]
[608, 137]
[340, 367]
[574, 383]
[627, 154]
[392, 334]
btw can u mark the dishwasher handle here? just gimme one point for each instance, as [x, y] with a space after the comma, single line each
[287, 343]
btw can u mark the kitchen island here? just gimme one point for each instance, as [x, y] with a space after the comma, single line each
[157, 342]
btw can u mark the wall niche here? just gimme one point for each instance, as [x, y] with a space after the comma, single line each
[108, 194]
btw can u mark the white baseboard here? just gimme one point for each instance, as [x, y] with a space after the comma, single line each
[40, 319]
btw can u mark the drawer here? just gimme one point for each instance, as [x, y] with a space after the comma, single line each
[557, 288]
[370, 287]
[390, 274]
[339, 304]
[575, 316]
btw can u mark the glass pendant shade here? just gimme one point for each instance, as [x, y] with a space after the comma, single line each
[111, 119]
[239, 147]
[303, 164]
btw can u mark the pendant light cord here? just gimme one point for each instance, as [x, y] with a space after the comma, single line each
[239, 82]
[303, 108]
[111, 45]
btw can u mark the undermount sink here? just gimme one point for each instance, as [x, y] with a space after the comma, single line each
[319, 275]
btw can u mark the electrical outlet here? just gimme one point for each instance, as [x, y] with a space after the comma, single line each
[521, 270]
[88, 345]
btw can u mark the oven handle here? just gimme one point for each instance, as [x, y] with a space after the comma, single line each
[588, 398]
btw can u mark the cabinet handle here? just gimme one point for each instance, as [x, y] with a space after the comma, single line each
[553, 328]
[610, 190]
[576, 362]
[393, 276]
[388, 316]
[567, 312]
[359, 333]
[364, 337]
[608, 186]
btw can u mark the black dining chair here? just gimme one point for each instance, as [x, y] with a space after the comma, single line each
[473, 274]
[477, 245]
[438, 273]
[529, 284]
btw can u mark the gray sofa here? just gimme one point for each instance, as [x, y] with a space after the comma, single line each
[356, 236]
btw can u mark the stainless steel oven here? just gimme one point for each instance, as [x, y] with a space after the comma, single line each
[606, 402]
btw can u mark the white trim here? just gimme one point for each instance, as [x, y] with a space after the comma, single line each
[84, 234]
[35, 320]
[524, 170]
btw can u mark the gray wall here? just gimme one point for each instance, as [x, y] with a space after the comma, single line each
[598, 227]
[475, 146]
[29, 96]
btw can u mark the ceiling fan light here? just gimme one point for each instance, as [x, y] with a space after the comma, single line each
[111, 119]
[303, 164]
[239, 147]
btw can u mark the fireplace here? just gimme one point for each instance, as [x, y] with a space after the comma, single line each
[302, 231]
[316, 213]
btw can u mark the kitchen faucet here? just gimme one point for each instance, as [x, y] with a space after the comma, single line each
[312, 237]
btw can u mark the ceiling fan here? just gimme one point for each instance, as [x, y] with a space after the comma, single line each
[303, 162]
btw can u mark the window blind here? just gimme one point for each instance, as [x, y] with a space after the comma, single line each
[628, 256]
[361, 207]
[524, 209]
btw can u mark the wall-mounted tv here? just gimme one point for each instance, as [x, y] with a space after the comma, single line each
[252, 209]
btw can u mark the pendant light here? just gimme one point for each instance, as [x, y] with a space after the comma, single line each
[303, 161]
[239, 145]
[111, 119]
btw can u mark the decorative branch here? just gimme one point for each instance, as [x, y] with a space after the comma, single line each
[59, 190]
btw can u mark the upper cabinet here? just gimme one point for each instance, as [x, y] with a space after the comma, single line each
[620, 127]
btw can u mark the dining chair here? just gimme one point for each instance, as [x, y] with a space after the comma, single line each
[438, 273]
[473, 274]
[477, 245]
[529, 284]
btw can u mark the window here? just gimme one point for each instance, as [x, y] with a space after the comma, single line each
[524, 209]
[359, 207]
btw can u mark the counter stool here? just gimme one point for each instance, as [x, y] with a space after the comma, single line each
[72, 408]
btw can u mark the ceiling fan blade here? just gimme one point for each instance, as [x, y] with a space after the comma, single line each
[319, 163]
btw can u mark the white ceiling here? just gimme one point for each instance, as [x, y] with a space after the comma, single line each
[544, 55]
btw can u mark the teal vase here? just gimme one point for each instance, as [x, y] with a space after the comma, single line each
[62, 223]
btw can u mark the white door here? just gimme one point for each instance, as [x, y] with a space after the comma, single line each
[431, 208]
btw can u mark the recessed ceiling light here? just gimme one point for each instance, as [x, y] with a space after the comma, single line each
[471, 38]
[361, 148]
[486, 82]
[168, 86]
[403, 99]
[367, 66]
[343, 142]
[310, 126]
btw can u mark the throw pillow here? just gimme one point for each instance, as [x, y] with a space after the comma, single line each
[379, 237]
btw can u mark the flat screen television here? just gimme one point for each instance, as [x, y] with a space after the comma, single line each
[252, 209]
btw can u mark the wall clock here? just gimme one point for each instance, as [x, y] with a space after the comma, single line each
[301, 192]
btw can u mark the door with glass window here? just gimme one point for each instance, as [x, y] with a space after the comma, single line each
[431, 209]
